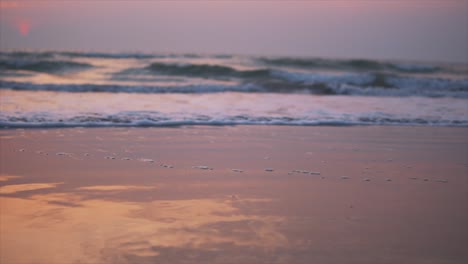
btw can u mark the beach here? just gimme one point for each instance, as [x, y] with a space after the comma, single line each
[234, 194]
[233, 132]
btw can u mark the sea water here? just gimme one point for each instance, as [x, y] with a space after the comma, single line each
[66, 89]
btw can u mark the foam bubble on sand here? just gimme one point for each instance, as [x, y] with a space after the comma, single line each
[443, 181]
[167, 166]
[236, 170]
[344, 177]
[269, 169]
[62, 154]
[86, 154]
[301, 171]
[314, 173]
[366, 179]
[202, 167]
[109, 157]
[413, 178]
[21, 150]
[147, 160]
[388, 179]
[125, 158]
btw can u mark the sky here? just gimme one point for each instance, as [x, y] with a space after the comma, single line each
[419, 30]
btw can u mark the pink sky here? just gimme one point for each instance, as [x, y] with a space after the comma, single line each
[415, 30]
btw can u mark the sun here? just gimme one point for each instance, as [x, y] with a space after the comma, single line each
[24, 27]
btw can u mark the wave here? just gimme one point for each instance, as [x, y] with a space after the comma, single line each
[157, 119]
[205, 70]
[44, 66]
[104, 55]
[128, 88]
[370, 84]
[230, 74]
[72, 54]
[323, 63]
[27, 54]
[353, 64]
[110, 55]
[378, 84]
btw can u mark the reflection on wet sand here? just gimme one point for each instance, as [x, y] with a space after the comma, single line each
[83, 230]
[7, 189]
[8, 177]
[126, 211]
[116, 187]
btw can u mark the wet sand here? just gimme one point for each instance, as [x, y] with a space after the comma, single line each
[242, 194]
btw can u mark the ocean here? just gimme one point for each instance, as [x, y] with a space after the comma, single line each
[91, 89]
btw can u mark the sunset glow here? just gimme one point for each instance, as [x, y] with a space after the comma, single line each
[417, 30]
[225, 131]
[9, 4]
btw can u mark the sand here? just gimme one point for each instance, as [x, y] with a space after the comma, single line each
[242, 194]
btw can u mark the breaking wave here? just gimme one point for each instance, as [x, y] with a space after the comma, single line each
[44, 66]
[374, 84]
[205, 70]
[355, 64]
[157, 119]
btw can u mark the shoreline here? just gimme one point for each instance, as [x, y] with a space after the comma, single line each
[234, 194]
[184, 126]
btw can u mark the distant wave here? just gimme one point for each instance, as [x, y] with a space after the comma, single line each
[46, 66]
[103, 55]
[379, 84]
[322, 63]
[205, 70]
[370, 84]
[296, 62]
[128, 88]
[198, 73]
[155, 119]
[352, 64]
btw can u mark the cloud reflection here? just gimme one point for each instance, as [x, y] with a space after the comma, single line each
[116, 188]
[8, 177]
[9, 189]
[102, 231]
